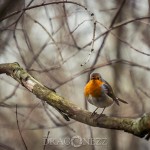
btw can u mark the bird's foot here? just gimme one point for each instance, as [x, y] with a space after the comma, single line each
[93, 113]
[101, 115]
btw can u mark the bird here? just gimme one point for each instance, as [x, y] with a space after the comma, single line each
[98, 92]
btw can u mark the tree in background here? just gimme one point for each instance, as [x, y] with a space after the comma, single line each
[60, 43]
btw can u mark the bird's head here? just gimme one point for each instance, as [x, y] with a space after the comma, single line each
[95, 76]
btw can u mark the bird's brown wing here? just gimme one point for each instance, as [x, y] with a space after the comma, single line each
[110, 93]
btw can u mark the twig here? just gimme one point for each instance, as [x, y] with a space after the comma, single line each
[5, 147]
[118, 26]
[125, 42]
[20, 130]
[46, 140]
[111, 62]
[11, 95]
[70, 33]
[27, 117]
[144, 92]
[92, 49]
[14, 33]
[106, 35]
[41, 5]
[50, 36]
[49, 18]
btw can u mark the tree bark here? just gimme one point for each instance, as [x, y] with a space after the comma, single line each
[137, 126]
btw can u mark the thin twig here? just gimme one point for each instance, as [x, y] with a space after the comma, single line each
[5, 147]
[11, 95]
[117, 26]
[41, 5]
[46, 140]
[92, 47]
[111, 62]
[70, 33]
[125, 42]
[20, 130]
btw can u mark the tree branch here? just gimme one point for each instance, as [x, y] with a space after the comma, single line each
[137, 126]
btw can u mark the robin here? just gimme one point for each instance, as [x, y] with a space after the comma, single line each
[98, 92]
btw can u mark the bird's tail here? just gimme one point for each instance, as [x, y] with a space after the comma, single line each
[121, 100]
[117, 100]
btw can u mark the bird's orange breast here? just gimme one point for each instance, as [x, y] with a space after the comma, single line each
[93, 88]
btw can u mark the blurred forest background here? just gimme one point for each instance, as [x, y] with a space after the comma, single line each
[60, 43]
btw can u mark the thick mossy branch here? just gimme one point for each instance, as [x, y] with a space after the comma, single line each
[139, 126]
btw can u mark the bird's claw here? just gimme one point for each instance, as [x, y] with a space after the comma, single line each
[101, 115]
[93, 113]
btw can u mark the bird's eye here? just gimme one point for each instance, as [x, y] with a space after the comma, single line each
[95, 78]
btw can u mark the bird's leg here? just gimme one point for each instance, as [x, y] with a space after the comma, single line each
[93, 113]
[101, 113]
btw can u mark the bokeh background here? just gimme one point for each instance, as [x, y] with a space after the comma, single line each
[60, 44]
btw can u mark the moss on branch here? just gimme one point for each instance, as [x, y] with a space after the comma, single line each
[137, 126]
